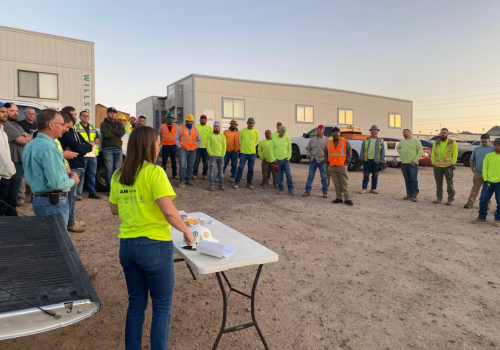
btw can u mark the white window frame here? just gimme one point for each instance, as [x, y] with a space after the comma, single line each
[345, 121]
[38, 84]
[232, 99]
[297, 114]
[400, 120]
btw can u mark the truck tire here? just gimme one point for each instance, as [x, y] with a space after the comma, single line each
[355, 163]
[296, 157]
[466, 159]
[100, 177]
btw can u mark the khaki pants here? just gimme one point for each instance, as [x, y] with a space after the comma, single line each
[340, 181]
[328, 175]
[447, 172]
[477, 183]
[265, 168]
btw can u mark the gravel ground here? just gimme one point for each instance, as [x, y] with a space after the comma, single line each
[384, 274]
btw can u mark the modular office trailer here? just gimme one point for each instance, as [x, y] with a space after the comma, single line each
[52, 70]
[298, 107]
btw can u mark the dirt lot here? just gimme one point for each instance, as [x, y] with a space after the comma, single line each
[384, 274]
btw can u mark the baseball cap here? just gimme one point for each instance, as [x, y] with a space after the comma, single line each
[132, 118]
[335, 129]
[280, 123]
[1, 104]
[203, 116]
[321, 126]
[251, 120]
[111, 109]
[497, 140]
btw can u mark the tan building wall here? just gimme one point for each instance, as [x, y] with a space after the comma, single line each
[101, 113]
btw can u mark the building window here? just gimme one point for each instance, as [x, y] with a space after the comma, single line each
[304, 114]
[394, 120]
[38, 85]
[346, 116]
[232, 108]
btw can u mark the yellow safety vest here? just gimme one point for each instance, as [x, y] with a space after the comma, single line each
[59, 146]
[93, 135]
[440, 159]
[380, 145]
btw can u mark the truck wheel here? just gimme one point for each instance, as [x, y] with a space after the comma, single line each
[355, 163]
[466, 159]
[296, 157]
[100, 177]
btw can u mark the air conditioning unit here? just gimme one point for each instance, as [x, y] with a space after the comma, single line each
[174, 96]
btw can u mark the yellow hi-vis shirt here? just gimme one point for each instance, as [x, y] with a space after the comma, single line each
[249, 140]
[265, 150]
[443, 155]
[216, 145]
[491, 167]
[204, 131]
[137, 208]
[281, 148]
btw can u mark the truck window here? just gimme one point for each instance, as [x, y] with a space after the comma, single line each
[328, 131]
[313, 133]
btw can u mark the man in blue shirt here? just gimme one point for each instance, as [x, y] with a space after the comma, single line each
[476, 165]
[45, 170]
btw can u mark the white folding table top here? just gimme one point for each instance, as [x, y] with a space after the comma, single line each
[248, 252]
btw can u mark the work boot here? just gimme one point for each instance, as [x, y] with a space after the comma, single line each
[79, 199]
[231, 179]
[194, 177]
[450, 202]
[92, 273]
[407, 197]
[479, 221]
[212, 188]
[363, 191]
[204, 177]
[222, 188]
[336, 201]
[349, 203]
[306, 194]
[325, 195]
[280, 193]
[374, 191]
[94, 196]
[265, 186]
[437, 201]
[81, 223]
[182, 184]
[275, 184]
[496, 223]
[236, 186]
[291, 193]
[190, 184]
[468, 206]
[176, 177]
[414, 199]
[76, 228]
[250, 186]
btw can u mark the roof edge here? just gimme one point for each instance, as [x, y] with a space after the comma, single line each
[46, 34]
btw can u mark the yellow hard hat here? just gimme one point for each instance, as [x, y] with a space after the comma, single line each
[122, 117]
[190, 118]
[234, 121]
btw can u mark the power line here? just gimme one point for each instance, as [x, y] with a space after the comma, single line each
[438, 121]
[433, 109]
[451, 103]
[468, 117]
[478, 87]
[455, 98]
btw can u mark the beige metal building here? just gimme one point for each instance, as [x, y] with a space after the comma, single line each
[52, 70]
[298, 107]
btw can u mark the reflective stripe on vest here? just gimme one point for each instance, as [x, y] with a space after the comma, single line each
[168, 137]
[237, 146]
[448, 161]
[188, 141]
[93, 134]
[380, 145]
[337, 156]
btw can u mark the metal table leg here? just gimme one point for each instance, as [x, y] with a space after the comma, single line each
[189, 267]
[225, 297]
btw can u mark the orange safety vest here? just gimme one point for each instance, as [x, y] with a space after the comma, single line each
[187, 141]
[337, 156]
[168, 137]
[237, 146]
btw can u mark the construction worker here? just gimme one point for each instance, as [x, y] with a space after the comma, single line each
[187, 140]
[201, 153]
[264, 151]
[280, 153]
[249, 138]
[112, 154]
[232, 148]
[444, 156]
[89, 134]
[372, 154]
[122, 119]
[339, 153]
[168, 148]
[216, 148]
[129, 126]
[316, 154]
[141, 121]
[476, 165]
[411, 151]
[491, 185]
[276, 134]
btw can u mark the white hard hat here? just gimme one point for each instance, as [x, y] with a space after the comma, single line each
[200, 233]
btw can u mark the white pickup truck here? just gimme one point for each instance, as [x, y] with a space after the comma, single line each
[299, 145]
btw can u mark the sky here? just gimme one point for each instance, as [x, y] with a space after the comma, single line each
[443, 55]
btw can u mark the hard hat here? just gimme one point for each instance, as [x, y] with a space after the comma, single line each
[190, 118]
[170, 115]
[122, 117]
[374, 127]
[234, 121]
[200, 233]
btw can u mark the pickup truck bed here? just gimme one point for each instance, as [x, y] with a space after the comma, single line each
[39, 263]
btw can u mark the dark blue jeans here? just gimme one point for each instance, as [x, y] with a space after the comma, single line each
[410, 173]
[186, 161]
[243, 160]
[113, 159]
[15, 185]
[233, 157]
[4, 196]
[489, 188]
[72, 196]
[166, 152]
[370, 167]
[201, 153]
[284, 167]
[88, 176]
[148, 266]
[313, 165]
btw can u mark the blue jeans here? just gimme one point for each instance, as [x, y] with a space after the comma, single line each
[186, 161]
[89, 173]
[284, 167]
[370, 167]
[201, 153]
[4, 196]
[166, 152]
[233, 157]
[15, 185]
[243, 160]
[410, 173]
[219, 161]
[148, 266]
[43, 207]
[72, 196]
[313, 165]
[113, 159]
[486, 194]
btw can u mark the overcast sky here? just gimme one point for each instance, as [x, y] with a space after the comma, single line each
[443, 55]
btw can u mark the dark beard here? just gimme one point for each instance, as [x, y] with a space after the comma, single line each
[443, 138]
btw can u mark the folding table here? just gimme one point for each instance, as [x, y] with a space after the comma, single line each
[248, 252]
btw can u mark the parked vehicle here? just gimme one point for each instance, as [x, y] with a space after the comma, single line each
[22, 105]
[465, 152]
[355, 137]
[426, 156]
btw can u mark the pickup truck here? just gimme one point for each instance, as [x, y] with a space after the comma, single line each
[355, 138]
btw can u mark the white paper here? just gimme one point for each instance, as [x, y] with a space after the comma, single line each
[215, 249]
[91, 153]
